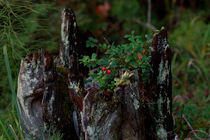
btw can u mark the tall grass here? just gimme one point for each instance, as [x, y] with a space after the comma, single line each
[8, 127]
[24, 28]
[22, 24]
[191, 73]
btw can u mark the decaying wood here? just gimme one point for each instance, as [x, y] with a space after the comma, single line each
[44, 87]
[30, 92]
[43, 104]
[159, 90]
[51, 93]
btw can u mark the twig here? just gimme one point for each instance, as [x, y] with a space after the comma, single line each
[13, 131]
[149, 11]
[150, 26]
[192, 130]
[201, 132]
[84, 116]
[107, 41]
[148, 23]
[93, 70]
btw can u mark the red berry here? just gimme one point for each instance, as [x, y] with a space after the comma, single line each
[104, 68]
[108, 72]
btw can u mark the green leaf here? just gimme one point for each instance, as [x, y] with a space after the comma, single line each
[94, 55]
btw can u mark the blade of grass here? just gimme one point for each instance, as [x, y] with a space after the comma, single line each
[6, 59]
[18, 126]
[13, 132]
[12, 87]
[206, 35]
[4, 129]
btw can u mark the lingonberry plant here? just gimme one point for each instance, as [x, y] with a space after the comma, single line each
[118, 63]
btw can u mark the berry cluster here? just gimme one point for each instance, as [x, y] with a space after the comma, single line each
[107, 71]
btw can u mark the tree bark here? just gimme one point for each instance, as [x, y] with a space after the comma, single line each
[158, 90]
[52, 94]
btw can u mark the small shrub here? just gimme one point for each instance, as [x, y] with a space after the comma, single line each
[116, 66]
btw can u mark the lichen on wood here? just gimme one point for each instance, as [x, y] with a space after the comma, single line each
[51, 93]
[159, 90]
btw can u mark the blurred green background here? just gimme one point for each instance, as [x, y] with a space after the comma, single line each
[28, 25]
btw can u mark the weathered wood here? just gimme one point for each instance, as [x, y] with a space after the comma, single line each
[158, 91]
[115, 119]
[51, 93]
[118, 120]
[42, 102]
[145, 110]
[30, 92]
[69, 52]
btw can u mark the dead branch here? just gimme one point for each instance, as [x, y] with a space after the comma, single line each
[192, 130]
[149, 26]
[201, 132]
[148, 23]
[149, 11]
[84, 115]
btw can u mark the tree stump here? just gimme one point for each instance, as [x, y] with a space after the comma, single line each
[52, 94]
